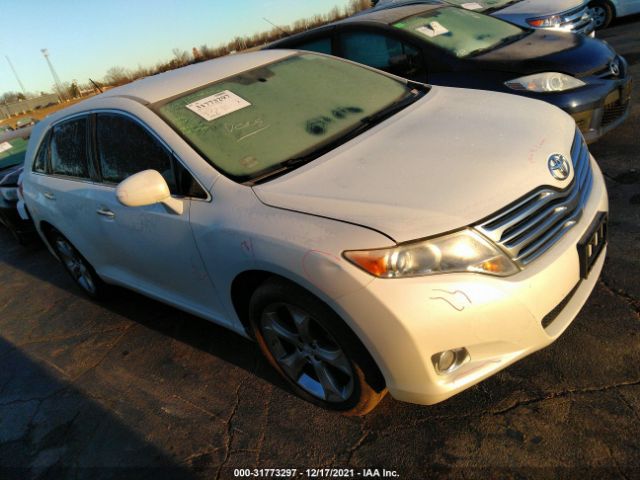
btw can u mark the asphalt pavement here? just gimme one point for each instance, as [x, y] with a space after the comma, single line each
[134, 389]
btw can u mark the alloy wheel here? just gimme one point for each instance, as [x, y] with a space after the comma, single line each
[76, 265]
[599, 15]
[307, 353]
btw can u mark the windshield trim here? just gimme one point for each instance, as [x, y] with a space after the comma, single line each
[423, 89]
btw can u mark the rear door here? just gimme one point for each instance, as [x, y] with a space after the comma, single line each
[62, 183]
[150, 249]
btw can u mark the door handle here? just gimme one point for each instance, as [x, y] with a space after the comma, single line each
[49, 196]
[105, 212]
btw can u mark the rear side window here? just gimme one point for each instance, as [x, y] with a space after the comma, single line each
[320, 45]
[69, 149]
[385, 53]
[40, 162]
[126, 148]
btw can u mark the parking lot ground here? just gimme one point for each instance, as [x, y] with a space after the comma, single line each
[131, 388]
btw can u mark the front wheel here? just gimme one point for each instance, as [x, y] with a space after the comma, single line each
[313, 350]
[602, 13]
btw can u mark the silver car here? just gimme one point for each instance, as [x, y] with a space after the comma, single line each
[605, 11]
[564, 15]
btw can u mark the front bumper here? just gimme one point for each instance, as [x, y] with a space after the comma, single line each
[605, 115]
[404, 322]
[598, 107]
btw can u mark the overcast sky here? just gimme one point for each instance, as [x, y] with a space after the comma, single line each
[85, 38]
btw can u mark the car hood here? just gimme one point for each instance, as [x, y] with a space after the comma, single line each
[549, 51]
[447, 161]
[537, 8]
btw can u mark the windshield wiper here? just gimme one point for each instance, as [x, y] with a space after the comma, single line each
[385, 113]
[501, 43]
[365, 123]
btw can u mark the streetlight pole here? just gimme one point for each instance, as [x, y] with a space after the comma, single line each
[24, 92]
[56, 79]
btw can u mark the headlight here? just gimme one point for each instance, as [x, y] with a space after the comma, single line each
[553, 21]
[545, 82]
[463, 251]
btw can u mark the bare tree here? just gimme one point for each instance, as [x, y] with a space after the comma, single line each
[11, 97]
[117, 76]
[181, 57]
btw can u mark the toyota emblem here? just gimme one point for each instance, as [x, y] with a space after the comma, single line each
[559, 166]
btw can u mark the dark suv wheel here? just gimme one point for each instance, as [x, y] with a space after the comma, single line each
[313, 350]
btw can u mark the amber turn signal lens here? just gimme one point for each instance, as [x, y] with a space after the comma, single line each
[370, 262]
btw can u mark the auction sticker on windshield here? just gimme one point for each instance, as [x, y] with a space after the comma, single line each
[4, 146]
[432, 30]
[218, 105]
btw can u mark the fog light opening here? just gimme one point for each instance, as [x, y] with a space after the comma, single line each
[450, 360]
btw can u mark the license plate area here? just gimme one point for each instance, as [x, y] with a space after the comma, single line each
[591, 244]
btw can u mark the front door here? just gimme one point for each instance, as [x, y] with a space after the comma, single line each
[150, 249]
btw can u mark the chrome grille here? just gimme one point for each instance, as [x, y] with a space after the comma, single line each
[533, 224]
[576, 20]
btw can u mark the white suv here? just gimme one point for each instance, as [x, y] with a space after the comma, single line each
[369, 232]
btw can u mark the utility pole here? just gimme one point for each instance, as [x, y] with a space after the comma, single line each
[56, 79]
[16, 75]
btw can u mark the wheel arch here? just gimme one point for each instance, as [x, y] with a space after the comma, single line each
[246, 283]
[46, 229]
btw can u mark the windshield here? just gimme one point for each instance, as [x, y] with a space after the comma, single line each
[460, 32]
[12, 152]
[251, 123]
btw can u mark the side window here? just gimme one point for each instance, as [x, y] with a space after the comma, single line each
[320, 45]
[384, 52]
[125, 147]
[69, 149]
[40, 162]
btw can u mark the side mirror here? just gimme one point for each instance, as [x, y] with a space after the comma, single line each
[147, 188]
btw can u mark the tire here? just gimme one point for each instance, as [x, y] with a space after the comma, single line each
[78, 268]
[313, 350]
[602, 13]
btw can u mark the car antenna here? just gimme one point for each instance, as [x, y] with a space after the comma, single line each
[286, 34]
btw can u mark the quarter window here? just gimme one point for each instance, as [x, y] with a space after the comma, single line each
[126, 148]
[69, 149]
[40, 162]
[385, 53]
